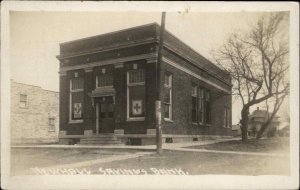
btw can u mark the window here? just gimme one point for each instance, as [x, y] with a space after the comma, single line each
[226, 117]
[194, 103]
[167, 96]
[136, 94]
[207, 108]
[76, 99]
[200, 105]
[23, 101]
[105, 80]
[51, 124]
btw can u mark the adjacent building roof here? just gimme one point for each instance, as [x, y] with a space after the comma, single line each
[260, 114]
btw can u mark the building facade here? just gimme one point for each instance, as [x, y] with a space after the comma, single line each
[34, 114]
[108, 86]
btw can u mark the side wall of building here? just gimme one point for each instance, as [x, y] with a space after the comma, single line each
[31, 124]
[182, 83]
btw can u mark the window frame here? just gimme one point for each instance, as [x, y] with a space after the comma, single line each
[195, 95]
[70, 101]
[170, 88]
[128, 85]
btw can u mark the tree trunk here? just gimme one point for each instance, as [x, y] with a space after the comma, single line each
[262, 130]
[244, 123]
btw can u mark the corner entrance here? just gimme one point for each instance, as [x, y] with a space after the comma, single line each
[105, 115]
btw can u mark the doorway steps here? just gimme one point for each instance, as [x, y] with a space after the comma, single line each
[100, 139]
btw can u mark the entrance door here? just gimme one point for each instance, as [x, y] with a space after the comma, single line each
[106, 116]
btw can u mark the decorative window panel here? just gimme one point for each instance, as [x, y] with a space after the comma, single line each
[77, 104]
[137, 101]
[136, 94]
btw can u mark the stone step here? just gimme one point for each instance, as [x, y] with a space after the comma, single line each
[100, 143]
[96, 139]
[100, 139]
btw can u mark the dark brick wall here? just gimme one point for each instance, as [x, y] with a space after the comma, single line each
[89, 118]
[71, 129]
[63, 102]
[181, 94]
[182, 103]
[120, 84]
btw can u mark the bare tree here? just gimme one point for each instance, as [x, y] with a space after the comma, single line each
[258, 63]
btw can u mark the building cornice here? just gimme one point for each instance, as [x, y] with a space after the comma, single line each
[115, 62]
[188, 71]
[107, 48]
[191, 61]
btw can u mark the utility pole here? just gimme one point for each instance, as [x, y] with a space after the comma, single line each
[158, 81]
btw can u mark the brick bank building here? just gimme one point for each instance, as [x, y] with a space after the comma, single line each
[108, 88]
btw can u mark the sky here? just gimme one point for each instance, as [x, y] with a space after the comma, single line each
[35, 37]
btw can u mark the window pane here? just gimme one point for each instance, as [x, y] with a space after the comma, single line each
[102, 110]
[23, 98]
[105, 80]
[77, 83]
[167, 95]
[136, 76]
[51, 124]
[167, 110]
[194, 109]
[207, 96]
[110, 110]
[167, 79]
[194, 91]
[207, 112]
[201, 93]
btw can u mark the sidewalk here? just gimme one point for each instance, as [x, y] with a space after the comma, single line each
[166, 146]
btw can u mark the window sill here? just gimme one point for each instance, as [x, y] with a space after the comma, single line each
[168, 120]
[75, 121]
[136, 119]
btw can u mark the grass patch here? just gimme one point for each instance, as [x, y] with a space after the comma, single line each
[271, 145]
[199, 163]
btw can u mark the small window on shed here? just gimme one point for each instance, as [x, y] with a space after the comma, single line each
[23, 101]
[51, 124]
